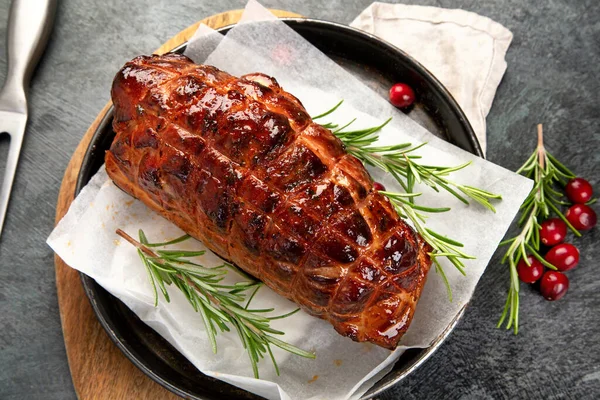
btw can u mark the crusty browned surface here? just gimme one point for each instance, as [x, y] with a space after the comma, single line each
[238, 164]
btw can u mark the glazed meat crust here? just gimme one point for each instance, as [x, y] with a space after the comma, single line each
[238, 164]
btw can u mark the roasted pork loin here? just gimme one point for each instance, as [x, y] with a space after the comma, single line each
[238, 164]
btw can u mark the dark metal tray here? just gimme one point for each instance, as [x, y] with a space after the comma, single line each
[376, 63]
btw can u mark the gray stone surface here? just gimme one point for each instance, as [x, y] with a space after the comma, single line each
[553, 77]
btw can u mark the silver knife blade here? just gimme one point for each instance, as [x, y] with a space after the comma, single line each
[29, 26]
[12, 123]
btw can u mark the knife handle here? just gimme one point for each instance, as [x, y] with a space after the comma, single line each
[29, 26]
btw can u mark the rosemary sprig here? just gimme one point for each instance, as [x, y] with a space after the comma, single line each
[543, 200]
[220, 305]
[401, 162]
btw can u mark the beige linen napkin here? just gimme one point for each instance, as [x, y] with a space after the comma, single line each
[464, 50]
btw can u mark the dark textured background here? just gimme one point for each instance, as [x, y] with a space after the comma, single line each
[553, 77]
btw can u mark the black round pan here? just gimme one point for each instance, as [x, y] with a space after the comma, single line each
[376, 63]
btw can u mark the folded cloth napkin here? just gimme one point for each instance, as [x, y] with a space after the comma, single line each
[465, 51]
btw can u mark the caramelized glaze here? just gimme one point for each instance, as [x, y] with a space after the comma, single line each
[239, 164]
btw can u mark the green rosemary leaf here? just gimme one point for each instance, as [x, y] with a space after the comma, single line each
[448, 170]
[389, 149]
[537, 255]
[505, 242]
[326, 113]
[560, 167]
[160, 266]
[179, 253]
[361, 133]
[422, 208]
[453, 192]
[410, 180]
[246, 314]
[484, 193]
[273, 360]
[174, 241]
[260, 310]
[210, 329]
[414, 171]
[412, 149]
[550, 191]
[343, 126]
[440, 271]
[396, 194]
[288, 347]
[329, 125]
[565, 220]
[266, 328]
[444, 238]
[150, 277]
[252, 296]
[143, 238]
[214, 310]
[529, 164]
[160, 281]
[285, 315]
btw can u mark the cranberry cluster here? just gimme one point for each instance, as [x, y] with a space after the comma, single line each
[564, 256]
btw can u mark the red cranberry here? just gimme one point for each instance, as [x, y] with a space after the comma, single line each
[563, 256]
[378, 186]
[553, 231]
[579, 190]
[530, 273]
[402, 95]
[582, 217]
[554, 285]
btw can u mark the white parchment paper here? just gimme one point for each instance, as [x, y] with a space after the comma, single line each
[86, 241]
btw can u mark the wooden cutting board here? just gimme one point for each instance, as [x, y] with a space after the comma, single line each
[98, 368]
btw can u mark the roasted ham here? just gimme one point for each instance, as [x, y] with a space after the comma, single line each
[239, 164]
